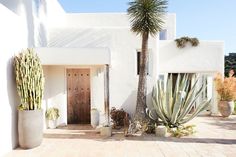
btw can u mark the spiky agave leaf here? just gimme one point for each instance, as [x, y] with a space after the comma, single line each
[173, 108]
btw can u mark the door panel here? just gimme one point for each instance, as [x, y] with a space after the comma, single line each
[78, 96]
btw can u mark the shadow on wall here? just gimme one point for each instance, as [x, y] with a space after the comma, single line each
[75, 37]
[129, 104]
[13, 99]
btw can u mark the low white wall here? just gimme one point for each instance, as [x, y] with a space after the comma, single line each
[56, 91]
[12, 40]
[207, 57]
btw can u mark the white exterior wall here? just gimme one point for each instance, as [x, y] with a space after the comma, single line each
[123, 59]
[208, 56]
[12, 41]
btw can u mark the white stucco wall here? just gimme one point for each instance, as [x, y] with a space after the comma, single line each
[12, 41]
[123, 46]
[207, 57]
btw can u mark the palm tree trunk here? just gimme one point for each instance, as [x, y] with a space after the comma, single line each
[140, 113]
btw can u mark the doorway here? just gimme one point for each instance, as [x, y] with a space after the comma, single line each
[78, 96]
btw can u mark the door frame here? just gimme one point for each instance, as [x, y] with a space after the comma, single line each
[66, 93]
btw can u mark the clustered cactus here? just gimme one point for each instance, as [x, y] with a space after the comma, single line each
[29, 79]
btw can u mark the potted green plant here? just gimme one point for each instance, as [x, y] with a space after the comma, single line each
[30, 86]
[226, 88]
[52, 114]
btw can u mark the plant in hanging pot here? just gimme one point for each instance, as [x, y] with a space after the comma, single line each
[30, 86]
[226, 88]
[52, 114]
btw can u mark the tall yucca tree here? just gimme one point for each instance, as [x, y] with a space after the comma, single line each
[146, 18]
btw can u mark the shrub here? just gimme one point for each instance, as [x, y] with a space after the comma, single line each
[226, 87]
[117, 116]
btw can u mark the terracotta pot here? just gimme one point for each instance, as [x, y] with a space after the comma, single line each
[30, 128]
[226, 108]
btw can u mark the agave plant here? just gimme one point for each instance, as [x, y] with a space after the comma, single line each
[173, 107]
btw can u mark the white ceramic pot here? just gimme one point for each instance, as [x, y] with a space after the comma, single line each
[105, 131]
[52, 124]
[226, 108]
[161, 131]
[94, 118]
[30, 128]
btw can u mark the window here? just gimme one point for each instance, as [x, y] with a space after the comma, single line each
[139, 62]
[163, 34]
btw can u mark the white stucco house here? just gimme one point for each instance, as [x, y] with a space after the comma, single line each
[77, 49]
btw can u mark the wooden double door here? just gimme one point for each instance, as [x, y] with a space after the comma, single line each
[78, 96]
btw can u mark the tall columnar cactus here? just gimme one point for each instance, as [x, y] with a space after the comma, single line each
[174, 107]
[29, 79]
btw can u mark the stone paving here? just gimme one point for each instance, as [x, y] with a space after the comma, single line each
[215, 137]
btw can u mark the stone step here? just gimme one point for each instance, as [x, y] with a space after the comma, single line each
[72, 131]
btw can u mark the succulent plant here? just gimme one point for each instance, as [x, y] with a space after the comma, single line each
[173, 107]
[181, 42]
[52, 113]
[29, 79]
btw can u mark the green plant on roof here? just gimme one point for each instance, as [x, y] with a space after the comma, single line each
[181, 42]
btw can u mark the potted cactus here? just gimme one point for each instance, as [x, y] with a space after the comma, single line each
[52, 114]
[30, 86]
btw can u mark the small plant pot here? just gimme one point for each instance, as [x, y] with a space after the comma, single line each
[52, 124]
[161, 131]
[106, 131]
[226, 108]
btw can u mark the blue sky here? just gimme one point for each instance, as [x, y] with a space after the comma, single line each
[204, 19]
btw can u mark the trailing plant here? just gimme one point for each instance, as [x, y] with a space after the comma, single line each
[182, 131]
[181, 42]
[118, 117]
[173, 107]
[226, 87]
[29, 79]
[52, 113]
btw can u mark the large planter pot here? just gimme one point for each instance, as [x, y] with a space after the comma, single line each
[94, 118]
[52, 124]
[30, 128]
[160, 131]
[105, 131]
[226, 108]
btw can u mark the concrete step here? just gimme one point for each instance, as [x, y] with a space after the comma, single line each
[72, 131]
